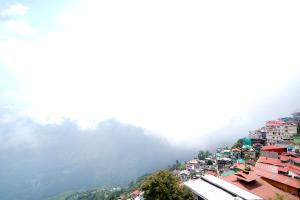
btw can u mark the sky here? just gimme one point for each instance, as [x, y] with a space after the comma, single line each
[179, 69]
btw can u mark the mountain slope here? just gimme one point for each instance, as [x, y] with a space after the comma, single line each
[38, 161]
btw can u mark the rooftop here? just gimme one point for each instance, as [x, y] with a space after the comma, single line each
[230, 188]
[271, 161]
[247, 177]
[236, 150]
[274, 165]
[259, 187]
[278, 178]
[275, 123]
[193, 161]
[206, 190]
[213, 188]
[272, 147]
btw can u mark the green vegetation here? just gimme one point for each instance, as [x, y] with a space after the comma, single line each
[203, 154]
[278, 197]
[62, 196]
[92, 194]
[96, 194]
[164, 185]
[192, 174]
[238, 143]
[177, 166]
[208, 162]
[102, 193]
[247, 168]
[161, 185]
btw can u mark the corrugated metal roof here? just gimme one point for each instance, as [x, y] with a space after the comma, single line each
[231, 188]
[207, 190]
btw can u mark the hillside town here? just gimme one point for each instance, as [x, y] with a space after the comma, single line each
[263, 165]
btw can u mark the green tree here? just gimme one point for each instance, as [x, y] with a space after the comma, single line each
[182, 167]
[177, 166]
[207, 153]
[208, 162]
[112, 197]
[203, 154]
[238, 143]
[192, 174]
[164, 185]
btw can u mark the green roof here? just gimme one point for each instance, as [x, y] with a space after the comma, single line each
[241, 161]
[297, 140]
[227, 173]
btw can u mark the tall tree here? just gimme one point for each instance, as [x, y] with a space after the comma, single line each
[164, 185]
[238, 143]
[201, 155]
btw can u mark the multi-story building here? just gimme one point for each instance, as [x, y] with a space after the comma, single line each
[291, 129]
[278, 130]
[258, 134]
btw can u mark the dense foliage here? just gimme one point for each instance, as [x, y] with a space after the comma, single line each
[164, 185]
[103, 193]
[238, 143]
[203, 154]
[177, 166]
[92, 194]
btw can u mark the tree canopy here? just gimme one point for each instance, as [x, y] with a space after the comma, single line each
[164, 185]
[203, 154]
[238, 143]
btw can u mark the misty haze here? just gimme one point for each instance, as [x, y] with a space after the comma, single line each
[98, 99]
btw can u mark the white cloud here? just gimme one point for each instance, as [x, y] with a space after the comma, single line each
[179, 69]
[19, 27]
[15, 9]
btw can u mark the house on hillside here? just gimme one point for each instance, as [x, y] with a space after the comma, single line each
[236, 153]
[136, 195]
[255, 184]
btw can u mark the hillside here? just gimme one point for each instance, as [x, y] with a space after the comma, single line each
[38, 161]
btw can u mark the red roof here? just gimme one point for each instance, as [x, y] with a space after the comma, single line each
[293, 168]
[294, 155]
[275, 123]
[236, 150]
[278, 178]
[271, 161]
[272, 147]
[259, 187]
[282, 169]
[267, 167]
[284, 158]
[297, 160]
[275, 165]
[234, 165]
[193, 161]
[246, 177]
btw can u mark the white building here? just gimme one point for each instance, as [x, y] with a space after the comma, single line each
[209, 187]
[277, 130]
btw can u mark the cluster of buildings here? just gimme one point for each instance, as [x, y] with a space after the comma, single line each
[281, 131]
[265, 166]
